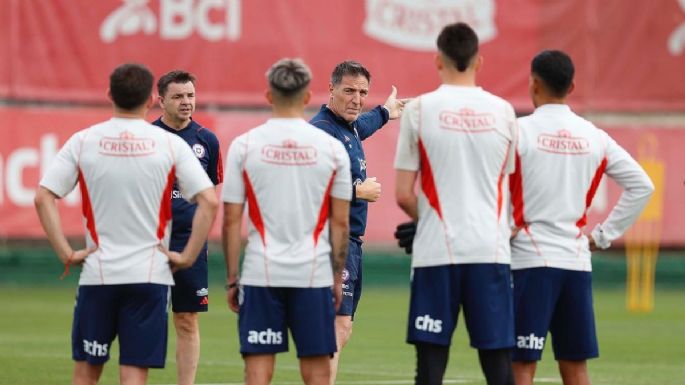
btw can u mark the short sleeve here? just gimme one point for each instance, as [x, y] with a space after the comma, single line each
[407, 153]
[190, 175]
[342, 184]
[62, 175]
[234, 186]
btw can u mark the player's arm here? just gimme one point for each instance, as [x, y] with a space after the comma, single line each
[233, 196]
[404, 193]
[407, 160]
[230, 243]
[196, 185]
[46, 206]
[370, 122]
[637, 189]
[340, 232]
[60, 179]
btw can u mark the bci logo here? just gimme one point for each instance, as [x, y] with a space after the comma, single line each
[212, 20]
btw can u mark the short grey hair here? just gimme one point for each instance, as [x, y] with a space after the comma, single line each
[349, 68]
[289, 76]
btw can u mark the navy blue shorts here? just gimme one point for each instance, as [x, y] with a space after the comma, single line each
[558, 301]
[266, 314]
[137, 313]
[483, 290]
[190, 294]
[352, 279]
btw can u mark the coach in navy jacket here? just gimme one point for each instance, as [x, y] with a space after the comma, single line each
[342, 118]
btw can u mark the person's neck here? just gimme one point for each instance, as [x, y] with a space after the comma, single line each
[138, 113]
[456, 78]
[288, 112]
[546, 99]
[175, 124]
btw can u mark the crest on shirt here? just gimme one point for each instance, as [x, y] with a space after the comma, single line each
[289, 153]
[199, 150]
[345, 275]
[126, 144]
[563, 142]
[362, 164]
[467, 120]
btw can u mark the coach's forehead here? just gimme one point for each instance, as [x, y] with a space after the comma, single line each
[180, 88]
[358, 82]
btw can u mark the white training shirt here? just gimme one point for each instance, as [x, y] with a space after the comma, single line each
[287, 170]
[460, 139]
[126, 169]
[561, 159]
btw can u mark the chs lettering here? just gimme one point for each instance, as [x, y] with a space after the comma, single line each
[265, 337]
[427, 324]
[530, 342]
[95, 349]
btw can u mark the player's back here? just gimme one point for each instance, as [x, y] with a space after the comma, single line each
[465, 136]
[126, 168]
[289, 171]
[561, 158]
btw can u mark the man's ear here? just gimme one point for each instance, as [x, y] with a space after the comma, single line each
[150, 101]
[439, 63]
[479, 63]
[307, 97]
[571, 87]
[269, 96]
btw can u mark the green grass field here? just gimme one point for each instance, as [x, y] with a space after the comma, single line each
[635, 349]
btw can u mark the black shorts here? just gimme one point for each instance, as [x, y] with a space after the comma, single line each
[191, 291]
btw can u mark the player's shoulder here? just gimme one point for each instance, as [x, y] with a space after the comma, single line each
[496, 100]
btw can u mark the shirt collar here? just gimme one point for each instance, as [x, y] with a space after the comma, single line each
[337, 118]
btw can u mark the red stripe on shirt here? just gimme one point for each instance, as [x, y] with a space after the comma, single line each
[427, 181]
[165, 204]
[516, 190]
[591, 192]
[253, 208]
[87, 208]
[219, 169]
[499, 183]
[323, 212]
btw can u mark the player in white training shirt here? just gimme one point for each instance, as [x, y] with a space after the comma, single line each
[458, 141]
[125, 168]
[295, 179]
[560, 160]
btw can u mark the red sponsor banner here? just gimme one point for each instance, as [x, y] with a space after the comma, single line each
[629, 54]
[33, 137]
[5, 51]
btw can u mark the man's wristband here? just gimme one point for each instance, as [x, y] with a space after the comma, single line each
[230, 286]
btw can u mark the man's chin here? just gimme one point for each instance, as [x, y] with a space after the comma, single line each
[351, 117]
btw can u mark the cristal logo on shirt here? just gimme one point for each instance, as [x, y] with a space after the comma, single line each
[467, 120]
[126, 145]
[563, 142]
[289, 153]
